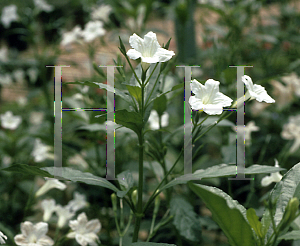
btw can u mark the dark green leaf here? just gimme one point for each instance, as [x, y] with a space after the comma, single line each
[136, 92]
[26, 169]
[160, 104]
[228, 213]
[185, 219]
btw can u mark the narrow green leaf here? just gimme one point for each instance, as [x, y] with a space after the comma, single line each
[78, 176]
[185, 219]
[228, 213]
[254, 222]
[265, 222]
[122, 47]
[26, 169]
[167, 44]
[221, 170]
[292, 235]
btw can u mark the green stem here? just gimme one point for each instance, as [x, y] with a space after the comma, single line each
[217, 122]
[154, 194]
[151, 74]
[139, 211]
[152, 90]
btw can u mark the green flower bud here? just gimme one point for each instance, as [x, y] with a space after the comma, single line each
[156, 204]
[289, 213]
[114, 201]
[134, 197]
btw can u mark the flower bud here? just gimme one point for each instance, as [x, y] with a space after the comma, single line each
[289, 213]
[114, 201]
[156, 204]
[134, 197]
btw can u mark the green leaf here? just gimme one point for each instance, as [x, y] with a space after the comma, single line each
[78, 176]
[265, 222]
[254, 222]
[160, 104]
[114, 90]
[136, 92]
[292, 235]
[131, 120]
[26, 169]
[126, 183]
[185, 219]
[151, 244]
[167, 44]
[221, 170]
[287, 188]
[228, 213]
[122, 47]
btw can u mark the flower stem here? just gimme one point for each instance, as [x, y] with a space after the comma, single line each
[139, 210]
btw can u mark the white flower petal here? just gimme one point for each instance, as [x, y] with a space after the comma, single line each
[136, 43]
[50, 184]
[257, 91]
[133, 54]
[148, 49]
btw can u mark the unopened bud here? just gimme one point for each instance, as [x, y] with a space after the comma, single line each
[134, 197]
[289, 213]
[114, 201]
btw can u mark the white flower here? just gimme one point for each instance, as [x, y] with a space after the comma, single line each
[33, 235]
[49, 207]
[6, 160]
[274, 177]
[41, 151]
[19, 75]
[154, 120]
[36, 118]
[101, 13]
[208, 98]
[282, 93]
[291, 131]
[9, 121]
[72, 36]
[84, 231]
[78, 160]
[5, 79]
[78, 203]
[2, 237]
[9, 14]
[250, 127]
[256, 91]
[3, 54]
[50, 184]
[22, 101]
[64, 214]
[33, 74]
[92, 30]
[42, 5]
[293, 82]
[148, 49]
